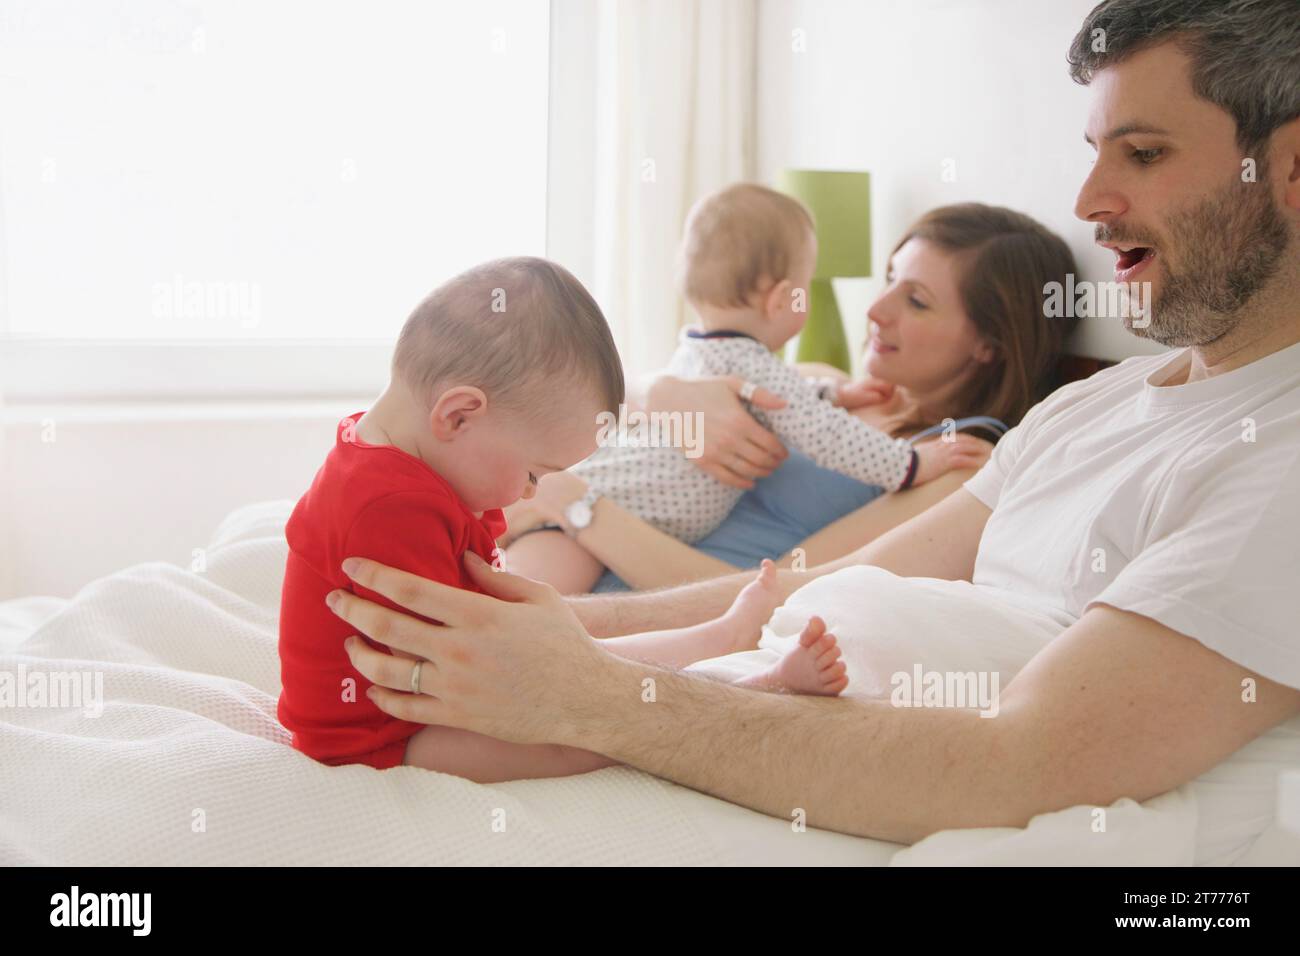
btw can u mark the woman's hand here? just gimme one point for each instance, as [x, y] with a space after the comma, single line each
[555, 492]
[737, 450]
[821, 370]
[864, 392]
[517, 668]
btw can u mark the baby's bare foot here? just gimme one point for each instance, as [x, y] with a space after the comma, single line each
[813, 666]
[752, 608]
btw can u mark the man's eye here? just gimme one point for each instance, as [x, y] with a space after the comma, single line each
[532, 478]
[1147, 156]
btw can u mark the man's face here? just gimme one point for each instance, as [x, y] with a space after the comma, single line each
[1168, 196]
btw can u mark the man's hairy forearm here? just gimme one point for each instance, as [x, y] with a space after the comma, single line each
[859, 767]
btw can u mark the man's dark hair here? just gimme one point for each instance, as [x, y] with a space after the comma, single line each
[1245, 53]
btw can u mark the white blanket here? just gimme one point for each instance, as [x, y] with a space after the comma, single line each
[187, 764]
[898, 635]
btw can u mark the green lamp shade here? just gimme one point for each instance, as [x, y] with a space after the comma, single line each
[840, 203]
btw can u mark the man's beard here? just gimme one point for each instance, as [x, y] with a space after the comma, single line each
[1230, 246]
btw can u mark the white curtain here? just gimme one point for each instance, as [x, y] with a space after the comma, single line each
[674, 121]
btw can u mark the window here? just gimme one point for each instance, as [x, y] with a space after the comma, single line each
[248, 172]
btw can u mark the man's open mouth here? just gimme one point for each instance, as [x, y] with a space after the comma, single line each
[1131, 259]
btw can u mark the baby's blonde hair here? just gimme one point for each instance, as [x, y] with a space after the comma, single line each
[737, 237]
[510, 327]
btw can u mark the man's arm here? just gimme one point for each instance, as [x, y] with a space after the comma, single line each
[856, 530]
[940, 542]
[1118, 706]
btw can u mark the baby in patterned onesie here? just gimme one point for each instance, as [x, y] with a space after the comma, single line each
[747, 259]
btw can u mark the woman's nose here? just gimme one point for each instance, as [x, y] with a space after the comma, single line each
[881, 312]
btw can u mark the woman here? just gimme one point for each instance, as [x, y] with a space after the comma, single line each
[958, 332]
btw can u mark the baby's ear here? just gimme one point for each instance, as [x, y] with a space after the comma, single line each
[455, 409]
[777, 298]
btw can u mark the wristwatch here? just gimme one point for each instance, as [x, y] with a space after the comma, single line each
[578, 515]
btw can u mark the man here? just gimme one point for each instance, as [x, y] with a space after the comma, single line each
[1156, 506]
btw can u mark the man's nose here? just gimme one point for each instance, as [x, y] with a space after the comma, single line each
[1099, 199]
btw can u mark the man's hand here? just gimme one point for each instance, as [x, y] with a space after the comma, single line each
[737, 449]
[513, 668]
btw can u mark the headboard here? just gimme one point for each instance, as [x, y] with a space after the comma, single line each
[1072, 368]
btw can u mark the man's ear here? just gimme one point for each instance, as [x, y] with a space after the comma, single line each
[455, 410]
[1288, 137]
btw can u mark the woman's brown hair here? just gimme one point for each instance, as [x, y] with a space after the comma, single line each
[1006, 260]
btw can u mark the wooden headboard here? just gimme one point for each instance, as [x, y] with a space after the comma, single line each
[1071, 368]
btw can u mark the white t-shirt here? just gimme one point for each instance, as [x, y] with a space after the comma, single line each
[1180, 503]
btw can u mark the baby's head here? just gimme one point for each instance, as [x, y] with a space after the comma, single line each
[507, 367]
[748, 253]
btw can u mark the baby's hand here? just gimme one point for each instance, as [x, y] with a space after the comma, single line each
[942, 455]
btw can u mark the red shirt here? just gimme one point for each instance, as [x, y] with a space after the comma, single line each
[367, 501]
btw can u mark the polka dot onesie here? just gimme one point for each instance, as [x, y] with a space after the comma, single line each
[658, 483]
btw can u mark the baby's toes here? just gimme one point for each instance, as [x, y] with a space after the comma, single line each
[812, 631]
[823, 646]
[832, 671]
[830, 656]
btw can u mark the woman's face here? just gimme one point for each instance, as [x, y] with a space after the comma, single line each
[919, 335]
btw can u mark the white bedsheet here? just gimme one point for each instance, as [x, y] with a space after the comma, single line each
[888, 625]
[187, 764]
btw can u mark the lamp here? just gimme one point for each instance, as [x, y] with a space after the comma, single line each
[840, 203]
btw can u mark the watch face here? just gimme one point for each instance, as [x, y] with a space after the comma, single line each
[579, 514]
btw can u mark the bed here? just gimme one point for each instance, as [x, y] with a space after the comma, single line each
[173, 755]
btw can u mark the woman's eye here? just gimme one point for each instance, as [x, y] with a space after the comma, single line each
[1147, 156]
[916, 303]
[532, 479]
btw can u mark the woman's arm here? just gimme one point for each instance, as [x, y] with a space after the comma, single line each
[636, 551]
[873, 519]
[647, 558]
[641, 554]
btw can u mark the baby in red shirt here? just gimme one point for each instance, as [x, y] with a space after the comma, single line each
[498, 378]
